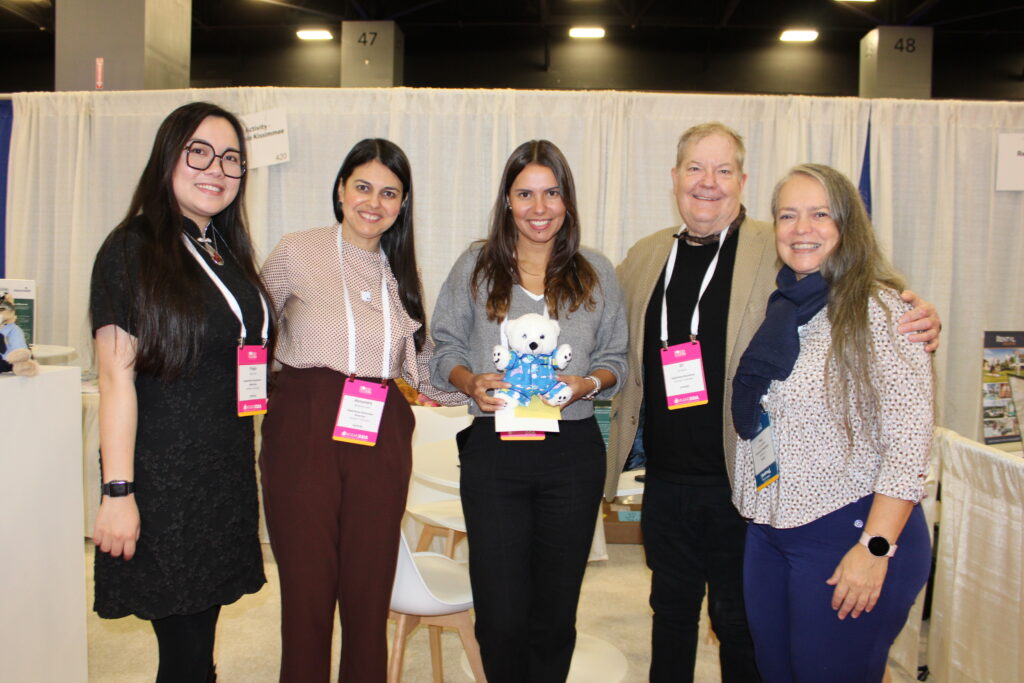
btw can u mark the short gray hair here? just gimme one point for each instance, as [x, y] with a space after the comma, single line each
[697, 133]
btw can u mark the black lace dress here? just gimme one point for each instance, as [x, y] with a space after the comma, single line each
[194, 464]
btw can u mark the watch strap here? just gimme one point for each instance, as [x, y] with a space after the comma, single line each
[878, 546]
[118, 488]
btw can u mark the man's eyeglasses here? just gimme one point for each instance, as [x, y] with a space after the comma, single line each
[200, 156]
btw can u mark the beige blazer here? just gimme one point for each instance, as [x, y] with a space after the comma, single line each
[753, 280]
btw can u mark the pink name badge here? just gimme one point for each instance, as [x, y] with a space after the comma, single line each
[522, 436]
[360, 412]
[252, 380]
[684, 375]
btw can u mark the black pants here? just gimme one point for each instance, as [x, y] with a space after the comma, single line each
[185, 643]
[694, 537]
[530, 513]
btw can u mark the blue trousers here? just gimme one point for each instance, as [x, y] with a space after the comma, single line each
[797, 635]
[530, 511]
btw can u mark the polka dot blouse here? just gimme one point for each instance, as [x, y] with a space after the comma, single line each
[820, 470]
[304, 279]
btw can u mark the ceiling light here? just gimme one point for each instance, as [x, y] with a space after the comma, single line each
[799, 35]
[586, 32]
[314, 34]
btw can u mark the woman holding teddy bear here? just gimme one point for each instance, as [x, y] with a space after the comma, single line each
[530, 506]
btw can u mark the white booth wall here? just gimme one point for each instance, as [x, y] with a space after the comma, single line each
[76, 157]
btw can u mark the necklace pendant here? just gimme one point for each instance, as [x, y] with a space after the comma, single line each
[217, 258]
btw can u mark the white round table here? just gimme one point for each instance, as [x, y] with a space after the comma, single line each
[437, 462]
[48, 353]
[628, 485]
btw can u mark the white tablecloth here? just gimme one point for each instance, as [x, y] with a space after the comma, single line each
[977, 629]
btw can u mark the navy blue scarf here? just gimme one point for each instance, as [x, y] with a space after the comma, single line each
[775, 346]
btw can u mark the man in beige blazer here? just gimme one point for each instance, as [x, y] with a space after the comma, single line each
[693, 535]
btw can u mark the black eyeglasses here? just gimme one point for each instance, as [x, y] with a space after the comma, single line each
[200, 155]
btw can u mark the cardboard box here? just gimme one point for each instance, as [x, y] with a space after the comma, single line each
[621, 522]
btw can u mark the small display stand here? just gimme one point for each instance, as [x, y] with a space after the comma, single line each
[1002, 377]
[42, 577]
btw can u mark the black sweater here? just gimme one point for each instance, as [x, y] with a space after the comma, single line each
[685, 445]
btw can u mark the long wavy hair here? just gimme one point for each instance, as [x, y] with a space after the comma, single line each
[397, 242]
[168, 324]
[856, 271]
[570, 280]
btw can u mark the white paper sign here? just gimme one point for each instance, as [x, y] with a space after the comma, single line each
[266, 137]
[1010, 164]
[505, 420]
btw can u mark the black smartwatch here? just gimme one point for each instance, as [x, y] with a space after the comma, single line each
[877, 545]
[117, 489]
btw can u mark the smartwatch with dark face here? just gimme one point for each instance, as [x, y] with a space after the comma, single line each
[877, 545]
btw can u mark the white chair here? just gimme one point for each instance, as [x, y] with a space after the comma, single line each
[440, 512]
[439, 518]
[432, 590]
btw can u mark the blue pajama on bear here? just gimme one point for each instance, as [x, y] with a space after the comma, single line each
[529, 374]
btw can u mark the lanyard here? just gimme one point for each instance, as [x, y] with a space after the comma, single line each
[229, 297]
[385, 302]
[708, 274]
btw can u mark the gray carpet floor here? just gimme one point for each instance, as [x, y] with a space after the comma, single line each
[613, 606]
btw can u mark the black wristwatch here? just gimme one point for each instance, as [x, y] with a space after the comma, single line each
[117, 489]
[878, 546]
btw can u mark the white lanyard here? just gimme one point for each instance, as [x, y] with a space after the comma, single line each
[229, 297]
[385, 302]
[708, 274]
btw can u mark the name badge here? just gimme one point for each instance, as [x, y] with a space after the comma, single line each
[766, 465]
[360, 412]
[252, 380]
[522, 436]
[684, 375]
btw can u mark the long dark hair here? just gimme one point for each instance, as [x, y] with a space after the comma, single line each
[397, 242]
[168, 324]
[569, 280]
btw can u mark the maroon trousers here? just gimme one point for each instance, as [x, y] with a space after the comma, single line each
[333, 511]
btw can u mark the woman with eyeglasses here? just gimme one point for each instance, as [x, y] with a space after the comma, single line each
[335, 478]
[182, 331]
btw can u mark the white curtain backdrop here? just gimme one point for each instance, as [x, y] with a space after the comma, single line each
[958, 241]
[76, 157]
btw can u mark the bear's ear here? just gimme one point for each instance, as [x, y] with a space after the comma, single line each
[555, 329]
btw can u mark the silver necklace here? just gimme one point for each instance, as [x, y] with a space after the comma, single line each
[209, 245]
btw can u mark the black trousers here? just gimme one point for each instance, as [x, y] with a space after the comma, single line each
[530, 512]
[694, 537]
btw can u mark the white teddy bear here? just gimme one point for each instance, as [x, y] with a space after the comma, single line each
[530, 360]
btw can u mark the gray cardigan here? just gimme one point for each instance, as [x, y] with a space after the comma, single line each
[464, 336]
